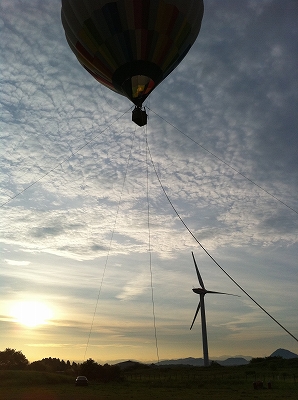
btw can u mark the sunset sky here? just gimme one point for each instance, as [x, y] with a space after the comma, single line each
[77, 246]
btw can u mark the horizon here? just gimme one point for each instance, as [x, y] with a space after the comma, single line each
[94, 261]
[212, 358]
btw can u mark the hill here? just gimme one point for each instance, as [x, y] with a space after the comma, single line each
[233, 361]
[196, 362]
[199, 362]
[131, 365]
[283, 353]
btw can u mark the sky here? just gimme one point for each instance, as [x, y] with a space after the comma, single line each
[90, 242]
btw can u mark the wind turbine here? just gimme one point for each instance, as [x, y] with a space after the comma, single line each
[202, 291]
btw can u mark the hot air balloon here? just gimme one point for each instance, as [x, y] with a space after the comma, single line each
[130, 46]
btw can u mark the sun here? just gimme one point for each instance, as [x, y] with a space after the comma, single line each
[31, 313]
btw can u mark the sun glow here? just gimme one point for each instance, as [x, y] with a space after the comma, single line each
[31, 313]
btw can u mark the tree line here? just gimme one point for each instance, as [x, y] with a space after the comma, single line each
[11, 359]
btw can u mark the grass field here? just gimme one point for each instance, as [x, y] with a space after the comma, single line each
[174, 384]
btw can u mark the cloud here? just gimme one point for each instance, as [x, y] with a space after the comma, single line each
[97, 171]
[20, 263]
[135, 288]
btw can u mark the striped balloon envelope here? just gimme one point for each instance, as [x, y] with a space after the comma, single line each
[130, 46]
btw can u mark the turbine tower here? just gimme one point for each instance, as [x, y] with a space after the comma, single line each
[202, 291]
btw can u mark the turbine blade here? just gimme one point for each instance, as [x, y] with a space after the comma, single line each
[194, 318]
[229, 294]
[198, 273]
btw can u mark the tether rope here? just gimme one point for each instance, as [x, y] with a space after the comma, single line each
[110, 246]
[150, 254]
[209, 255]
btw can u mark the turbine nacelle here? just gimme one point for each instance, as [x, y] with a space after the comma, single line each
[199, 291]
[204, 291]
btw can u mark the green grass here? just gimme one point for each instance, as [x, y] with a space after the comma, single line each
[153, 384]
[32, 378]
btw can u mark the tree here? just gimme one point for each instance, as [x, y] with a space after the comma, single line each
[110, 373]
[37, 366]
[50, 365]
[12, 359]
[75, 368]
[103, 373]
[90, 368]
[215, 364]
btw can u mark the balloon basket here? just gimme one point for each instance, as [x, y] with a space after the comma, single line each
[139, 116]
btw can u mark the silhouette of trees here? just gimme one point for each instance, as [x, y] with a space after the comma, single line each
[12, 359]
[89, 368]
[258, 360]
[110, 373]
[37, 366]
[52, 365]
[215, 364]
[103, 373]
[75, 368]
[274, 363]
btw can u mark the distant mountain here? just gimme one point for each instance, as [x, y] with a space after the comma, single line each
[130, 365]
[199, 362]
[233, 361]
[284, 354]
